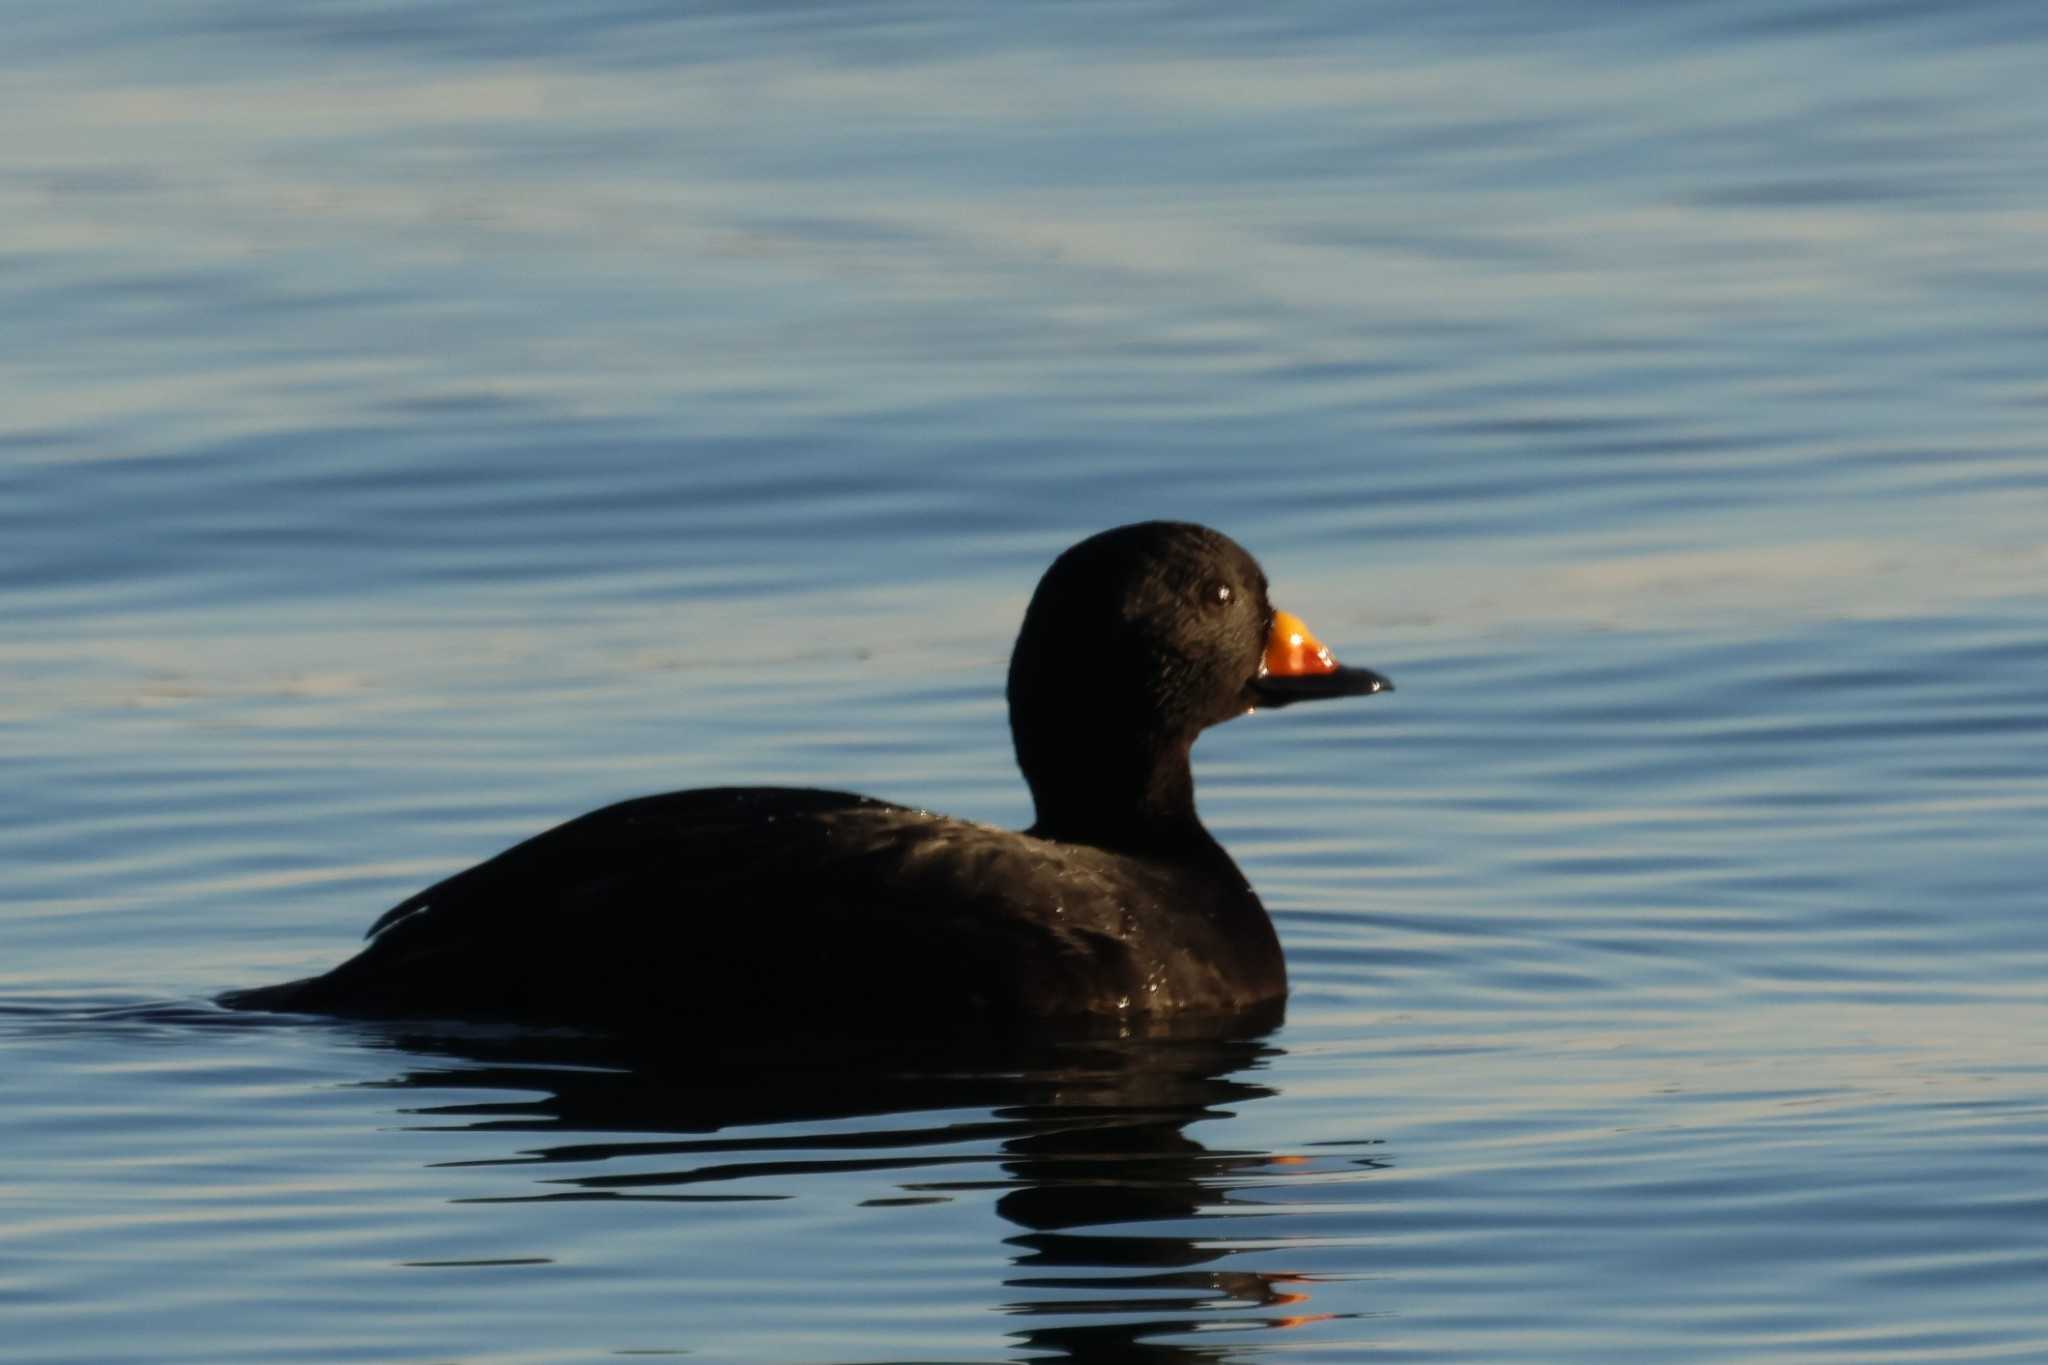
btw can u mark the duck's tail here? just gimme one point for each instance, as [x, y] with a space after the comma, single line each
[304, 996]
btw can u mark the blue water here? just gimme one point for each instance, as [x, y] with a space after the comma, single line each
[423, 423]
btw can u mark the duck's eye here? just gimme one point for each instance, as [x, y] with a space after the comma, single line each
[1216, 595]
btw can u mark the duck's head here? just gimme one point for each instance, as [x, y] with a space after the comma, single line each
[1139, 638]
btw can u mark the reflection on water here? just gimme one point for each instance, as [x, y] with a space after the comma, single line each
[1114, 1218]
[1077, 1139]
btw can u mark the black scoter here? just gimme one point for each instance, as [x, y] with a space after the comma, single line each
[794, 910]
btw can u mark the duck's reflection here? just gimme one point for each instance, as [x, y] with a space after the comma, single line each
[1118, 1249]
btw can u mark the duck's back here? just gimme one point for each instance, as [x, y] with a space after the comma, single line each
[806, 910]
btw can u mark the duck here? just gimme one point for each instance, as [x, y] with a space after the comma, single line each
[796, 911]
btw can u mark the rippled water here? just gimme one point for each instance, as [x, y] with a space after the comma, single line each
[425, 423]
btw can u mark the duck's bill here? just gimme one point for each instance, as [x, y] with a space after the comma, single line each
[1298, 667]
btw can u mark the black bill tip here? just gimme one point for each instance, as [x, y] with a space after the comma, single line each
[1274, 690]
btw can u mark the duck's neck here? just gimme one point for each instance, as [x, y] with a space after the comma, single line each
[1124, 796]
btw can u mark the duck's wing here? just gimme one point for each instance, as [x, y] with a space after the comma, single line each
[647, 893]
[709, 835]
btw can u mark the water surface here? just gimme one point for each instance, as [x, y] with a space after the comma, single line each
[424, 426]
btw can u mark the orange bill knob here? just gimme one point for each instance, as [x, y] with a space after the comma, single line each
[1293, 650]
